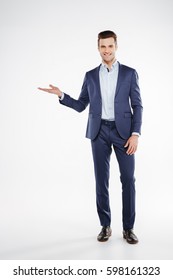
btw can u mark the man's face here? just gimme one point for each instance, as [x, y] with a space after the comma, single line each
[107, 48]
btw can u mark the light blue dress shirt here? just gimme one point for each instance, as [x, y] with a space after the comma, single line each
[108, 82]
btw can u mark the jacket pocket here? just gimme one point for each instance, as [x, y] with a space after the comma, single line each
[128, 115]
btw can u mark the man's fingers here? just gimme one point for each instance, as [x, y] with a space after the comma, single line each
[131, 150]
[132, 144]
[44, 89]
[52, 90]
[128, 150]
[127, 143]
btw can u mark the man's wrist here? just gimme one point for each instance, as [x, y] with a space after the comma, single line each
[135, 134]
[61, 97]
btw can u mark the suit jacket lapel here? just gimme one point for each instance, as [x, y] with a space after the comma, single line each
[97, 78]
[120, 79]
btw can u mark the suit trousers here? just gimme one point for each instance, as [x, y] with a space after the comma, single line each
[107, 137]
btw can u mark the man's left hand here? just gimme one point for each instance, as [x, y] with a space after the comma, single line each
[132, 144]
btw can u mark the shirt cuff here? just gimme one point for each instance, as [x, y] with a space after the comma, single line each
[135, 133]
[62, 96]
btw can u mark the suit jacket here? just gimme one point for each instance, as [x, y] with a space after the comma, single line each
[127, 103]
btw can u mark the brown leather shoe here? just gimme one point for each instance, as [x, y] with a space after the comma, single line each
[130, 237]
[105, 233]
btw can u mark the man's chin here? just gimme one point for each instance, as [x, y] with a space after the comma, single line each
[108, 60]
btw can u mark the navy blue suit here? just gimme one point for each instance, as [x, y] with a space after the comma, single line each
[104, 135]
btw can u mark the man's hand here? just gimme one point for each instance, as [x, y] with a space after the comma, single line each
[132, 144]
[53, 90]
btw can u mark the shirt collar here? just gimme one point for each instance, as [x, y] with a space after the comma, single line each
[113, 67]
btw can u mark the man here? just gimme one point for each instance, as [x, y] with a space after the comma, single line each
[115, 117]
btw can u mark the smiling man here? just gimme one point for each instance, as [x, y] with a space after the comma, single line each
[114, 121]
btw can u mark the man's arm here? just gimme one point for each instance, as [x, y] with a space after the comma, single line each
[82, 102]
[65, 99]
[136, 104]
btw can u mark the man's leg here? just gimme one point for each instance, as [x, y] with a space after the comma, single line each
[126, 166]
[101, 150]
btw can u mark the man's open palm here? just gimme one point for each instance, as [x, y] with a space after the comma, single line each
[52, 89]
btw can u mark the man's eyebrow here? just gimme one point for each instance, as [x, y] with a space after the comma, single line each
[105, 46]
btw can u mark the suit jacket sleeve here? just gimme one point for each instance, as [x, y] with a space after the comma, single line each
[136, 104]
[82, 102]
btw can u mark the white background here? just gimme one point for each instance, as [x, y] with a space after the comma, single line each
[47, 188]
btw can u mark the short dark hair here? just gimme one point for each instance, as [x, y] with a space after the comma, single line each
[107, 34]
